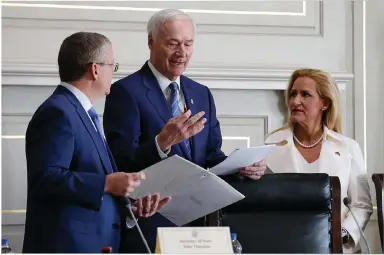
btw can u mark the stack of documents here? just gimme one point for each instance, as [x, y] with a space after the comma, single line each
[241, 158]
[196, 191]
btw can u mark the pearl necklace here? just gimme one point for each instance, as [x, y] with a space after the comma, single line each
[311, 145]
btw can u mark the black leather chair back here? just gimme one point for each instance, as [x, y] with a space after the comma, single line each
[378, 181]
[283, 213]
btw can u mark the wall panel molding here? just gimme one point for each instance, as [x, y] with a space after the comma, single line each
[214, 75]
[242, 131]
[303, 18]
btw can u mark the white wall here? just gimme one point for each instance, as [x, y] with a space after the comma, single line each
[245, 57]
[374, 88]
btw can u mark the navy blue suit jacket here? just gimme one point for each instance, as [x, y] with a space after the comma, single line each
[67, 209]
[136, 111]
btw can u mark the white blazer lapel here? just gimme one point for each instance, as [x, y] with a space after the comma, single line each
[281, 159]
[334, 157]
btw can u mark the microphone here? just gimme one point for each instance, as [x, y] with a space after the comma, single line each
[347, 204]
[127, 201]
[128, 205]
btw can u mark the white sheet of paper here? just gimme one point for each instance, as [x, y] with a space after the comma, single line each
[195, 192]
[241, 158]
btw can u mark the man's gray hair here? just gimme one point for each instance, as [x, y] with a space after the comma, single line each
[164, 15]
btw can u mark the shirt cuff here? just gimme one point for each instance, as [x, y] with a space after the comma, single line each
[162, 154]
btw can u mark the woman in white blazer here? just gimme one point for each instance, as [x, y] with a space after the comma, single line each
[311, 142]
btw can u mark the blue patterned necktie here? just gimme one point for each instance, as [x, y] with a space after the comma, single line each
[95, 119]
[174, 102]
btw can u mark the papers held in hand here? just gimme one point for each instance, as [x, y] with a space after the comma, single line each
[195, 191]
[241, 158]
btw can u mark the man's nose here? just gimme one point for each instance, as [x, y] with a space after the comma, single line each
[181, 50]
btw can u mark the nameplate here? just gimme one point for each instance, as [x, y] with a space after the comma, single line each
[194, 240]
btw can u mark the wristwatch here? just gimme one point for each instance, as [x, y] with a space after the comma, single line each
[344, 235]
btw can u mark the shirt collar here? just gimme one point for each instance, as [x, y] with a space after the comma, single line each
[161, 79]
[285, 136]
[83, 99]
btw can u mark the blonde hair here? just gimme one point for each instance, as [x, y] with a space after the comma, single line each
[327, 89]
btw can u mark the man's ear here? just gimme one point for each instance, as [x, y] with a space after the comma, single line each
[150, 40]
[94, 71]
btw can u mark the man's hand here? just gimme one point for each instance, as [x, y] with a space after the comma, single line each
[121, 184]
[149, 205]
[180, 128]
[254, 171]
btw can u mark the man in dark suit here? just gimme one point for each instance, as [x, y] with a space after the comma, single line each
[157, 112]
[75, 193]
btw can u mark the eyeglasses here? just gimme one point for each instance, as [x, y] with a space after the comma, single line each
[115, 65]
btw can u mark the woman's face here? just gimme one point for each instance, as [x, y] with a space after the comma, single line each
[305, 104]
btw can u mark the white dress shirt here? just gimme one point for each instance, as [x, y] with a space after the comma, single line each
[87, 105]
[164, 85]
[83, 99]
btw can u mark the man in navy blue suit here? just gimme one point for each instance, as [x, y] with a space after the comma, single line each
[75, 198]
[157, 112]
